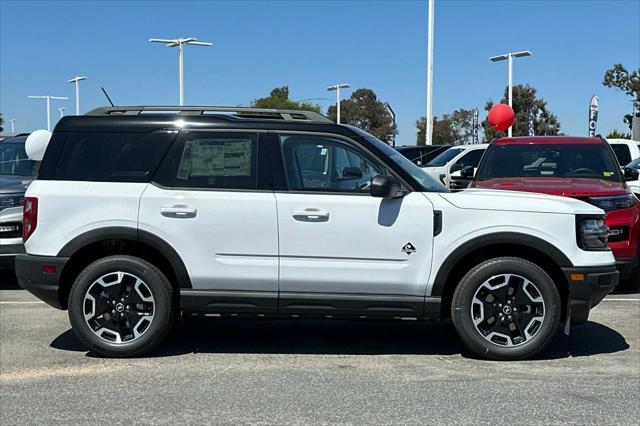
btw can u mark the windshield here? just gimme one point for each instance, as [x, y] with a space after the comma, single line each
[591, 161]
[14, 160]
[427, 183]
[445, 157]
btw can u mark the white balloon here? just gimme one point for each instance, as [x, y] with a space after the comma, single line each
[36, 144]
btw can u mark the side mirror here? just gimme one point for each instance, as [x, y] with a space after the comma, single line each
[630, 174]
[456, 167]
[352, 173]
[383, 186]
[467, 172]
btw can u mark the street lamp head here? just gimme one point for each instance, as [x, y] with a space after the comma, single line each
[498, 58]
[338, 86]
[76, 79]
[522, 53]
[180, 41]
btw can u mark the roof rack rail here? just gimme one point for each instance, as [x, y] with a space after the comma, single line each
[238, 112]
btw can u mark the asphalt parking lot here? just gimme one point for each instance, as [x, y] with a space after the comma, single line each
[315, 372]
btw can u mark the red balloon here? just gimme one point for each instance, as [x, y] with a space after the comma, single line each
[501, 117]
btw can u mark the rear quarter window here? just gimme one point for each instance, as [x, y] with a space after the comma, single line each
[112, 157]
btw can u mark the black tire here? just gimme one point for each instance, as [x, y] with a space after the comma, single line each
[473, 338]
[162, 306]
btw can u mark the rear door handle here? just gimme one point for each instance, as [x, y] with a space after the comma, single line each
[311, 214]
[179, 212]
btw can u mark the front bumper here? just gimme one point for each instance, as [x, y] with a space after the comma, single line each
[626, 266]
[587, 287]
[43, 285]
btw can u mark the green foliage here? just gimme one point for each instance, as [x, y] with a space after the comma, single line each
[618, 77]
[279, 99]
[453, 129]
[365, 111]
[617, 134]
[524, 98]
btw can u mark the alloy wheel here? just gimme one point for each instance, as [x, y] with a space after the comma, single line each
[118, 307]
[508, 310]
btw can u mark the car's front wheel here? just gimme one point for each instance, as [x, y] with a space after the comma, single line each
[121, 306]
[506, 308]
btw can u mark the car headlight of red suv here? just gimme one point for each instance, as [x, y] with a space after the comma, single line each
[616, 202]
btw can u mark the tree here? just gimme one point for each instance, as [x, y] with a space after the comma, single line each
[618, 77]
[452, 129]
[365, 111]
[524, 99]
[279, 99]
[1, 122]
[617, 134]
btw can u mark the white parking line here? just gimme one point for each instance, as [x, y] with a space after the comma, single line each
[20, 303]
[611, 299]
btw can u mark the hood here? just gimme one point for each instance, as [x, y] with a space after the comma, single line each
[487, 199]
[567, 187]
[14, 184]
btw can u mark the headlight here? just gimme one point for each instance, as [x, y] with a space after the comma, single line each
[592, 233]
[11, 200]
[613, 203]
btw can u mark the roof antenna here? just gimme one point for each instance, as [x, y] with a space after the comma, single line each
[108, 98]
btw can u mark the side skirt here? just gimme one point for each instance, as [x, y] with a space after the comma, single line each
[326, 305]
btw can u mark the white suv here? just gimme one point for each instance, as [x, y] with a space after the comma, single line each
[139, 213]
[446, 166]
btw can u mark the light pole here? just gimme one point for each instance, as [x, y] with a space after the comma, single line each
[179, 43]
[337, 88]
[48, 98]
[393, 116]
[509, 56]
[429, 118]
[13, 125]
[77, 81]
[61, 111]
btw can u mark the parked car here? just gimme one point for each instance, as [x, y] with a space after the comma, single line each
[626, 149]
[16, 173]
[582, 168]
[453, 160]
[420, 155]
[277, 213]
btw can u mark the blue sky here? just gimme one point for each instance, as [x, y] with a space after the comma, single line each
[309, 45]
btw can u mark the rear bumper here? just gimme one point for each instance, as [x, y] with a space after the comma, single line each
[587, 287]
[29, 270]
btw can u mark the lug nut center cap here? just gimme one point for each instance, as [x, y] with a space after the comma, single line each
[120, 307]
[506, 310]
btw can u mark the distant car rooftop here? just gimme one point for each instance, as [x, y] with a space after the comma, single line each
[549, 140]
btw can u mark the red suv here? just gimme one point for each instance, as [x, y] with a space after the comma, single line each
[583, 168]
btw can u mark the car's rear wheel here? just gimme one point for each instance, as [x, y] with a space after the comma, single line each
[121, 306]
[506, 308]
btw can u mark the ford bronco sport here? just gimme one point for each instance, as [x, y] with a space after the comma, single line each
[139, 213]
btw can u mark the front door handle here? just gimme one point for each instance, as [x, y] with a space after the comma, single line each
[179, 212]
[311, 215]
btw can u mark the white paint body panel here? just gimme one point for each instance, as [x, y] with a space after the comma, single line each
[358, 248]
[231, 243]
[69, 209]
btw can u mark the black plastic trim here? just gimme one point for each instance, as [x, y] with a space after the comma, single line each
[132, 234]
[229, 301]
[487, 240]
[587, 292]
[42, 285]
[437, 223]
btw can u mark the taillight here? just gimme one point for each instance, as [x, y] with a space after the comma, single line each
[29, 217]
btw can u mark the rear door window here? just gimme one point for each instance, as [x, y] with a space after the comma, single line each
[112, 157]
[213, 160]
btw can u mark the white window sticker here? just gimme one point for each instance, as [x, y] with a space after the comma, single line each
[212, 158]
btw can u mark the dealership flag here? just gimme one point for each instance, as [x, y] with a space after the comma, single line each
[593, 115]
[530, 131]
[475, 125]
